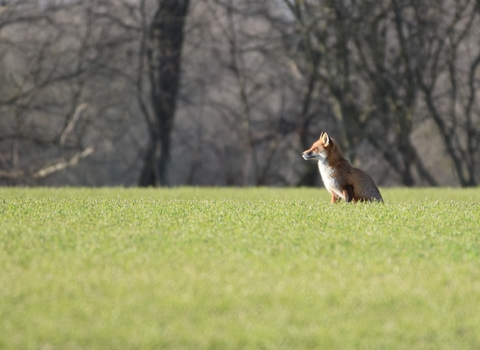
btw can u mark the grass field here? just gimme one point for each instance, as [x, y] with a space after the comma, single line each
[193, 268]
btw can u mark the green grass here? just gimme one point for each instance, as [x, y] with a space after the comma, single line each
[193, 268]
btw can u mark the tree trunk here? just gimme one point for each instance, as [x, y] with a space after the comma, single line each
[164, 58]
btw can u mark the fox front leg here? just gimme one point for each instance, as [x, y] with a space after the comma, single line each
[334, 198]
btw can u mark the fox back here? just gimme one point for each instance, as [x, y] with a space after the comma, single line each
[340, 178]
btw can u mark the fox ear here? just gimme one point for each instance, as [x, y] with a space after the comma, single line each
[325, 138]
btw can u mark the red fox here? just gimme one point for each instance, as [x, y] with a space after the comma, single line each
[340, 178]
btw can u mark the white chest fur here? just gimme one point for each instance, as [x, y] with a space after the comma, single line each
[331, 183]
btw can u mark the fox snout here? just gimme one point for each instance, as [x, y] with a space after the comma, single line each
[307, 155]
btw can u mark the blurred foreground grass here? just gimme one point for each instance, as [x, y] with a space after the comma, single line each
[209, 268]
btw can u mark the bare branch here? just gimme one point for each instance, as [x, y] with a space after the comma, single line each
[11, 174]
[48, 170]
[71, 125]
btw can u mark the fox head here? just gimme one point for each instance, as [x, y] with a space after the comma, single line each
[321, 149]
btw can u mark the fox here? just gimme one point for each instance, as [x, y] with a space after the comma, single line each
[340, 178]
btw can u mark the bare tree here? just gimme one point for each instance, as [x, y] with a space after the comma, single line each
[449, 79]
[356, 50]
[253, 118]
[30, 33]
[163, 48]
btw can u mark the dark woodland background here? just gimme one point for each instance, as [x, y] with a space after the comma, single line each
[229, 92]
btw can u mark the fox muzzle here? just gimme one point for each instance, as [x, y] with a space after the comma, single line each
[307, 155]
